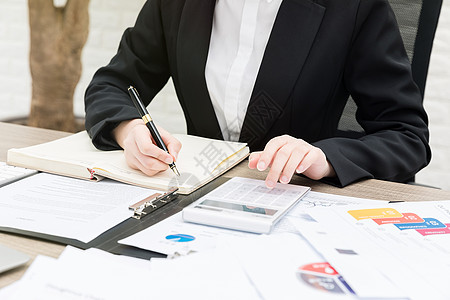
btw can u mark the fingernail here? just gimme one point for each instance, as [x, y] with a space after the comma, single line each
[300, 169]
[261, 166]
[168, 160]
[284, 179]
[270, 184]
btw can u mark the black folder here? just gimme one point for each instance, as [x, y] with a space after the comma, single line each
[108, 240]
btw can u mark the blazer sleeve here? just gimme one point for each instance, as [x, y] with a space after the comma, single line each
[378, 76]
[141, 61]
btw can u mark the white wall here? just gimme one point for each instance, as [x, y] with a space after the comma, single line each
[108, 20]
[14, 73]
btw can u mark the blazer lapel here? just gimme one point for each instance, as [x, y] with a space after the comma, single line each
[292, 36]
[192, 52]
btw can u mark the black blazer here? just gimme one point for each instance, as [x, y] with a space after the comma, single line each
[318, 53]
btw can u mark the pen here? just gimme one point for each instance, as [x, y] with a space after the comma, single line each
[149, 123]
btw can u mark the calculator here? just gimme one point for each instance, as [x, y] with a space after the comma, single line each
[244, 204]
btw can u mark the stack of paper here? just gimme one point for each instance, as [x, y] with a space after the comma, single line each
[407, 243]
[77, 274]
[238, 269]
[281, 259]
[95, 274]
[354, 248]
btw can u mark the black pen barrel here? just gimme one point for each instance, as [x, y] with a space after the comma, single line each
[156, 136]
[136, 101]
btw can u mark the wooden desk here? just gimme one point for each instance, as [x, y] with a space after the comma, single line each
[18, 136]
[22, 136]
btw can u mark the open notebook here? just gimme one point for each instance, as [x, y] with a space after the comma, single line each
[199, 161]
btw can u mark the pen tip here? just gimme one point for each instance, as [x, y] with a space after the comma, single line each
[175, 170]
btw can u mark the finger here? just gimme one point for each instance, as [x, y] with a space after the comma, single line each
[134, 163]
[146, 147]
[145, 161]
[174, 148]
[291, 165]
[270, 150]
[253, 159]
[313, 164]
[149, 164]
[279, 162]
[172, 144]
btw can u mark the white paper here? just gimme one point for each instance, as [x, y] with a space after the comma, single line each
[284, 266]
[418, 264]
[313, 200]
[300, 220]
[67, 207]
[9, 291]
[95, 274]
[79, 274]
[173, 236]
[211, 274]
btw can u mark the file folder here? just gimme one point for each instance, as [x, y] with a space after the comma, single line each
[147, 213]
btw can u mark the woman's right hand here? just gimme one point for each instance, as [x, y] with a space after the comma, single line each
[140, 151]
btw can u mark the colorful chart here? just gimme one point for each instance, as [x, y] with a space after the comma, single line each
[180, 238]
[375, 213]
[322, 276]
[407, 218]
[403, 221]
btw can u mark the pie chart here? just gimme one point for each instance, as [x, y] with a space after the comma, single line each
[180, 238]
[322, 276]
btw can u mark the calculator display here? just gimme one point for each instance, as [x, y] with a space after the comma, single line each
[237, 207]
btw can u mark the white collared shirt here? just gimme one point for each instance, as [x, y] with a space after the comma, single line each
[240, 32]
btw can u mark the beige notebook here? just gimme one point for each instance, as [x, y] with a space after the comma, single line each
[199, 161]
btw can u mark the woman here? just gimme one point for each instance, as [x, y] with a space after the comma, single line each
[275, 74]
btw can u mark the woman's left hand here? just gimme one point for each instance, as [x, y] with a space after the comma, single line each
[285, 155]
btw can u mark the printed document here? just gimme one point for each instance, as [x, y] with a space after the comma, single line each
[67, 207]
[408, 243]
[175, 237]
[78, 274]
[285, 266]
[95, 274]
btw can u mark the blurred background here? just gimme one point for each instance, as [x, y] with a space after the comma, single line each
[108, 20]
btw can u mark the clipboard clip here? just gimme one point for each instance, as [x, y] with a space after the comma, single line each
[152, 203]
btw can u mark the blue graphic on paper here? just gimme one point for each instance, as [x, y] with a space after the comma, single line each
[429, 223]
[180, 238]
